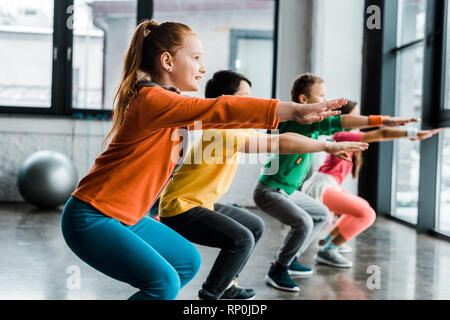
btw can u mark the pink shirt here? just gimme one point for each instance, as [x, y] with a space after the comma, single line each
[338, 168]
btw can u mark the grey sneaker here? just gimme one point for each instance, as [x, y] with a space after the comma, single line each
[345, 248]
[333, 258]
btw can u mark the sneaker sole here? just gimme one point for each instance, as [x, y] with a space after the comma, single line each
[276, 286]
[340, 250]
[239, 299]
[323, 261]
[298, 274]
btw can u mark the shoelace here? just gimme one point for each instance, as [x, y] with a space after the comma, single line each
[236, 284]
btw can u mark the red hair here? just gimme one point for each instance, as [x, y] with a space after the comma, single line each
[149, 41]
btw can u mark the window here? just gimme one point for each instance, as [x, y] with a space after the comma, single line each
[443, 218]
[249, 55]
[408, 103]
[411, 21]
[442, 222]
[447, 62]
[102, 32]
[406, 66]
[64, 57]
[221, 25]
[26, 55]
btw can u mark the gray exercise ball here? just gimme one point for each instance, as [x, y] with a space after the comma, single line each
[47, 179]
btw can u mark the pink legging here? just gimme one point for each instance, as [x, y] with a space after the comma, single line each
[356, 215]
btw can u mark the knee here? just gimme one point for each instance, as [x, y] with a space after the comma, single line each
[369, 216]
[256, 197]
[190, 267]
[263, 198]
[305, 224]
[166, 287]
[171, 287]
[194, 264]
[323, 214]
[258, 229]
[243, 240]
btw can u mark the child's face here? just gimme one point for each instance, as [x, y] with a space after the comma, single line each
[244, 89]
[188, 67]
[317, 93]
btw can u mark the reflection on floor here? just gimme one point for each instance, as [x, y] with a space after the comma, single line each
[35, 263]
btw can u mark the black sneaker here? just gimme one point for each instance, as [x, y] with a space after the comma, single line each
[203, 295]
[279, 278]
[236, 292]
[297, 270]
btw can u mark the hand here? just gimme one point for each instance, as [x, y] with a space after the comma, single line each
[342, 155]
[340, 149]
[425, 134]
[315, 112]
[397, 121]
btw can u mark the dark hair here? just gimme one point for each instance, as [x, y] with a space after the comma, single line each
[347, 108]
[303, 84]
[224, 82]
[357, 158]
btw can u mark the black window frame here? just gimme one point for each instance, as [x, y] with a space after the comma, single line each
[378, 97]
[61, 86]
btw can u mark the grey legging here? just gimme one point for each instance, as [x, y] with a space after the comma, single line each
[302, 213]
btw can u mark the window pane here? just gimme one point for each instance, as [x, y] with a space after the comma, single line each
[102, 32]
[407, 155]
[26, 42]
[411, 20]
[216, 21]
[447, 74]
[254, 66]
[443, 221]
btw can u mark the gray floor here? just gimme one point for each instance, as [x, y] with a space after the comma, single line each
[36, 264]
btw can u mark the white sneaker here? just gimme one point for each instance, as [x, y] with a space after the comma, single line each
[333, 258]
[345, 248]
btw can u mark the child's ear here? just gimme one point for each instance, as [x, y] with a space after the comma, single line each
[302, 98]
[166, 61]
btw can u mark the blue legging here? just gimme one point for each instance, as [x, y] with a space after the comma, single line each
[148, 255]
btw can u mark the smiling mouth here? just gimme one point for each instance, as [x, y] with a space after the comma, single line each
[198, 78]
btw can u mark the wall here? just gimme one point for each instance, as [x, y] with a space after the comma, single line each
[20, 136]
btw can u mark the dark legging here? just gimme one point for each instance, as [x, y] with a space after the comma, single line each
[234, 230]
[148, 255]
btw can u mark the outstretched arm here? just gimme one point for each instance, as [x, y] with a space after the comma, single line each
[350, 121]
[292, 143]
[309, 113]
[386, 134]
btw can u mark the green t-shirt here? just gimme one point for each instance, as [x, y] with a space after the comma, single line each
[287, 171]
